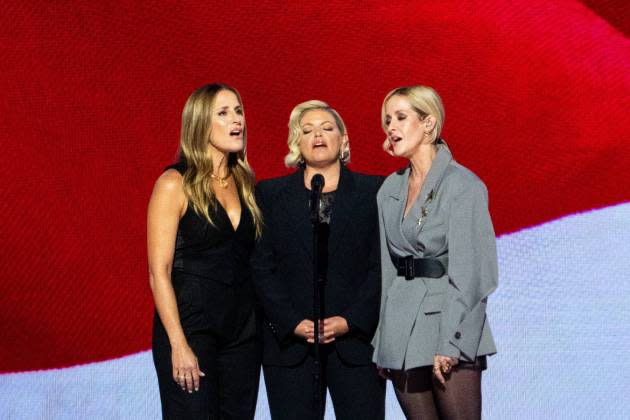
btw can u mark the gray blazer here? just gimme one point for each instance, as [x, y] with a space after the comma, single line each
[423, 317]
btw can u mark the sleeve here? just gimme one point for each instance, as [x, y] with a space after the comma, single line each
[472, 272]
[388, 271]
[362, 315]
[271, 290]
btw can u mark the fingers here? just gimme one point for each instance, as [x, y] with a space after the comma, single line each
[188, 379]
[195, 378]
[180, 378]
[190, 386]
[305, 329]
[437, 373]
[384, 373]
[437, 369]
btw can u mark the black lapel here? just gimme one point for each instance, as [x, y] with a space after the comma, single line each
[343, 209]
[296, 209]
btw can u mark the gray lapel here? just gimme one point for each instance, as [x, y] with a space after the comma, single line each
[431, 185]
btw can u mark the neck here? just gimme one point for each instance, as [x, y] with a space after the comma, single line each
[421, 161]
[330, 172]
[219, 162]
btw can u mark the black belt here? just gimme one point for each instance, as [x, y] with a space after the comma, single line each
[411, 267]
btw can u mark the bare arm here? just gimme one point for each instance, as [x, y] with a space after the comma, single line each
[166, 207]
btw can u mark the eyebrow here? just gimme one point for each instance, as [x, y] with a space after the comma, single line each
[228, 107]
[325, 122]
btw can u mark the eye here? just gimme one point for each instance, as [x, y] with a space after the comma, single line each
[387, 120]
[306, 131]
[401, 117]
[239, 111]
[328, 128]
[222, 113]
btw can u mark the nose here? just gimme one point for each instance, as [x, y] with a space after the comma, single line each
[237, 118]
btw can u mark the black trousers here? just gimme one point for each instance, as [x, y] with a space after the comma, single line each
[357, 392]
[232, 367]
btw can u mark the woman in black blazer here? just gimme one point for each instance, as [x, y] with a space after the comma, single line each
[283, 261]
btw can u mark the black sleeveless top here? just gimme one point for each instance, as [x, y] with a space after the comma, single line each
[217, 253]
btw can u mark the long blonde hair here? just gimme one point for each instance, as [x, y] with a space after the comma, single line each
[193, 149]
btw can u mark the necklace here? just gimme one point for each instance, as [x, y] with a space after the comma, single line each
[223, 182]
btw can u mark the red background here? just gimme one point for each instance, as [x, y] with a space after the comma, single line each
[536, 96]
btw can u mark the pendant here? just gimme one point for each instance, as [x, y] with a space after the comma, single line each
[223, 182]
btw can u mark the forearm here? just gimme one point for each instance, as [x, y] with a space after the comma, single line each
[166, 306]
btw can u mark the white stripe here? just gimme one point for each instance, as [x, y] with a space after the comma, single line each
[561, 319]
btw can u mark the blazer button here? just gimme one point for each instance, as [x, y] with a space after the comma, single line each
[458, 335]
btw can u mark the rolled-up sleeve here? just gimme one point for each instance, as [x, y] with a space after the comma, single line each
[472, 272]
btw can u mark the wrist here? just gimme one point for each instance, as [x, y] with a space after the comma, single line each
[178, 343]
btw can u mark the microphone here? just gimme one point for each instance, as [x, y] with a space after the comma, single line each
[317, 185]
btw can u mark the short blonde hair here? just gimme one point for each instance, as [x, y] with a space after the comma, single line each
[294, 157]
[425, 101]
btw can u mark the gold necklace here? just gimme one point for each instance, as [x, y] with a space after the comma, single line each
[223, 182]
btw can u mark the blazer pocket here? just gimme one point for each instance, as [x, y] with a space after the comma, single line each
[432, 304]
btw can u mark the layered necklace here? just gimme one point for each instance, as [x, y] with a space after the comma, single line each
[223, 182]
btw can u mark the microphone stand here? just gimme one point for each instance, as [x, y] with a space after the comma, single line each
[319, 282]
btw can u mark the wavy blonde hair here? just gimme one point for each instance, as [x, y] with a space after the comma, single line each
[294, 157]
[425, 101]
[193, 149]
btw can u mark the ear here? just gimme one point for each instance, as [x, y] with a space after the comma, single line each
[429, 123]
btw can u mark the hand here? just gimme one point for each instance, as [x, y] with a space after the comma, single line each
[305, 330]
[335, 326]
[186, 370]
[384, 372]
[442, 365]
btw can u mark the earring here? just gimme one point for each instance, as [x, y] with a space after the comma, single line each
[341, 155]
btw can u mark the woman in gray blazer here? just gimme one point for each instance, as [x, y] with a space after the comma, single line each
[439, 264]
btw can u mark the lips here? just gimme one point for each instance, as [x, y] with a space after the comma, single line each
[395, 139]
[236, 133]
[319, 145]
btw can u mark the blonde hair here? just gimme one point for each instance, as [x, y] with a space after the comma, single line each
[425, 101]
[193, 149]
[294, 157]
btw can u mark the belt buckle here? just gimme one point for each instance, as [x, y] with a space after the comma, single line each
[409, 268]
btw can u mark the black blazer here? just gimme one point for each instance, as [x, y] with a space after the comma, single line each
[282, 266]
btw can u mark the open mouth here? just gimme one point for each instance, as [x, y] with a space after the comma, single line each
[395, 139]
[236, 133]
[319, 144]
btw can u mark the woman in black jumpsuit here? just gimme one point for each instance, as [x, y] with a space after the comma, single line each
[205, 347]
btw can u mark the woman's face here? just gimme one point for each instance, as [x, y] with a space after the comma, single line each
[321, 140]
[228, 123]
[405, 130]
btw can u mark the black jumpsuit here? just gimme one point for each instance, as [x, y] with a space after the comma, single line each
[215, 296]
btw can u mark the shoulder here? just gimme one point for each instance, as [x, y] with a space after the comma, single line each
[273, 186]
[179, 167]
[392, 182]
[168, 190]
[369, 183]
[461, 180]
[170, 181]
